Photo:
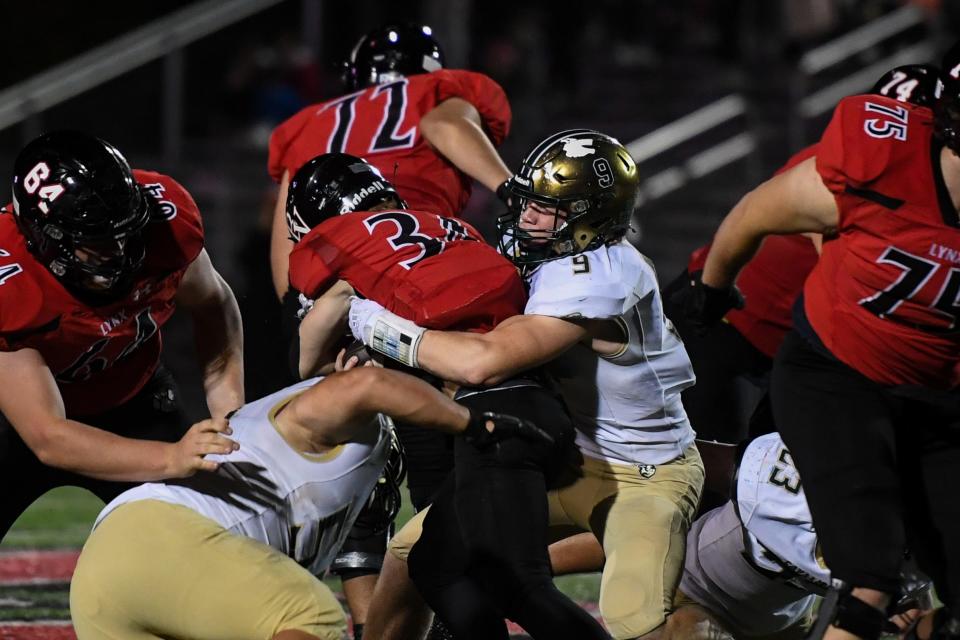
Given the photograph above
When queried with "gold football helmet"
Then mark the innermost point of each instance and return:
(588, 178)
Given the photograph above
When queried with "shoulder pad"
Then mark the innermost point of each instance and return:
(22, 294)
(282, 137)
(309, 272)
(483, 93)
(175, 234)
(866, 135)
(603, 283)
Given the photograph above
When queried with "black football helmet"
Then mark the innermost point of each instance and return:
(384, 503)
(913, 83)
(332, 184)
(390, 52)
(946, 108)
(585, 174)
(81, 211)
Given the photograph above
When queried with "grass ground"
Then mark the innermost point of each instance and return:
(62, 519)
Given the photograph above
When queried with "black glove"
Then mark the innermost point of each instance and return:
(703, 306)
(503, 191)
(504, 427)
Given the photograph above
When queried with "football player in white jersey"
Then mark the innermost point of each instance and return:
(753, 567)
(233, 553)
(595, 320)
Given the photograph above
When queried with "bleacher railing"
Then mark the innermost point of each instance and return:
(821, 65)
(736, 147)
(163, 38)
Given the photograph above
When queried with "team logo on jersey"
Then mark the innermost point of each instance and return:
(647, 470)
(577, 148)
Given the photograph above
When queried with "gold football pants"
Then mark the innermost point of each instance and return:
(157, 570)
(642, 522)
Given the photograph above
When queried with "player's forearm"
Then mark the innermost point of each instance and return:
(323, 328)
(465, 358)
(80, 448)
(465, 144)
(218, 335)
(280, 243)
(413, 401)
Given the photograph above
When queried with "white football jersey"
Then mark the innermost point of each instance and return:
(301, 504)
(773, 509)
(626, 407)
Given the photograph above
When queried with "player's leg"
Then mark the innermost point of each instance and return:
(438, 566)
(931, 482)
(693, 622)
(838, 426)
(429, 457)
(502, 510)
(578, 553)
(642, 524)
(397, 610)
(204, 582)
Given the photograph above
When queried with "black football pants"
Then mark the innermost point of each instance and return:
(153, 414)
(483, 553)
(880, 468)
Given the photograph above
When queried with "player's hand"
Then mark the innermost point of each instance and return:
(363, 316)
(209, 436)
(488, 428)
(354, 355)
(503, 191)
(703, 306)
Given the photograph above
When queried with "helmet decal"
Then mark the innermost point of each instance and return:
(577, 147)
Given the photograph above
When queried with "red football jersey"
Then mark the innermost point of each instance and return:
(101, 356)
(381, 125)
(435, 271)
(885, 296)
(771, 282)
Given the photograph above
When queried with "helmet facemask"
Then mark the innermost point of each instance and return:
(946, 109)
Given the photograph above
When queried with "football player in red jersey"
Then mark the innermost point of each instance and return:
(394, 257)
(93, 259)
(865, 387)
(355, 234)
(430, 130)
(743, 346)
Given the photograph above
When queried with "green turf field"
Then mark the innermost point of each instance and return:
(62, 519)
